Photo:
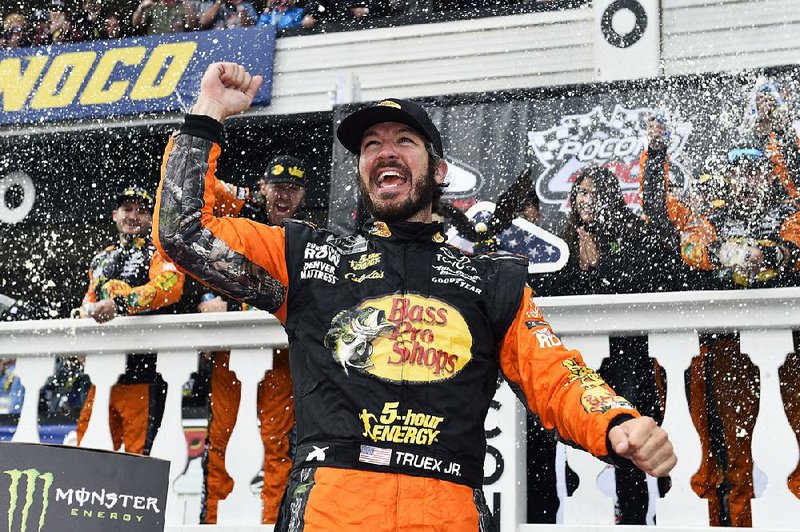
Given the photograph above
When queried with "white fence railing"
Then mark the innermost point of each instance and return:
(764, 319)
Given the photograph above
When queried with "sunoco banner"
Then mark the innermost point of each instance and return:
(124, 76)
(46, 488)
(490, 138)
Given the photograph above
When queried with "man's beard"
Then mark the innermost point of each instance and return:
(420, 197)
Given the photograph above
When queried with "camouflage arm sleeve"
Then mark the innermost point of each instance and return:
(240, 258)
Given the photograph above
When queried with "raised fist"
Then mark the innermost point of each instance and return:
(657, 133)
(226, 89)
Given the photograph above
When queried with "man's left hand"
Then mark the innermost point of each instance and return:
(645, 444)
(103, 311)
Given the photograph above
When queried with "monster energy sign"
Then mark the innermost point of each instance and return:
(47, 488)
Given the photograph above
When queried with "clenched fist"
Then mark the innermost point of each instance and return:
(226, 89)
(645, 444)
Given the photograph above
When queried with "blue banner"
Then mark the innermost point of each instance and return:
(112, 78)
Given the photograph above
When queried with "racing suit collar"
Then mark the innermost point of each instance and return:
(406, 231)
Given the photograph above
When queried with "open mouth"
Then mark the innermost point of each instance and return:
(390, 179)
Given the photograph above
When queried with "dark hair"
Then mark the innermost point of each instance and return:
(433, 165)
(612, 218)
(532, 199)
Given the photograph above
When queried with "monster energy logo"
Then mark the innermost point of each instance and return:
(31, 475)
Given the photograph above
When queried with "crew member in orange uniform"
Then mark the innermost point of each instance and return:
(280, 195)
(130, 278)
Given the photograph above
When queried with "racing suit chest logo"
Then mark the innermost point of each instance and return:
(401, 338)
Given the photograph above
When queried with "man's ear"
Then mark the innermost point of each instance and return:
(114, 215)
(441, 172)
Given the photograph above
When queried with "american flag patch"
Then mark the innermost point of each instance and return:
(375, 455)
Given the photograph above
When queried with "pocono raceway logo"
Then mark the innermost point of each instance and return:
(615, 141)
(33, 495)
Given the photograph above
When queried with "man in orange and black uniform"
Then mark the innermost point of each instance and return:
(780, 142)
(397, 339)
(743, 232)
(127, 278)
(281, 192)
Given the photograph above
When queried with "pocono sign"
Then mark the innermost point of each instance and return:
(124, 76)
(613, 139)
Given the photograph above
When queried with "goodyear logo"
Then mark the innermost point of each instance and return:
(401, 338)
(123, 76)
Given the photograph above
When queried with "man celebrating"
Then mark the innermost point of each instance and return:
(131, 277)
(396, 339)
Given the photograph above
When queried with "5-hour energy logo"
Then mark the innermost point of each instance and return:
(407, 427)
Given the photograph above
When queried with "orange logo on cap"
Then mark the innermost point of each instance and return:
(389, 103)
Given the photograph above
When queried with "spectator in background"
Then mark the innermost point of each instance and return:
(40, 28)
(280, 195)
(155, 17)
(228, 14)
(65, 392)
(284, 14)
(15, 31)
(131, 277)
(60, 23)
(612, 250)
(112, 26)
(340, 11)
(775, 135)
(12, 394)
(90, 24)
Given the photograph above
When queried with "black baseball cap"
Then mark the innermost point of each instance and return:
(137, 194)
(352, 128)
(286, 169)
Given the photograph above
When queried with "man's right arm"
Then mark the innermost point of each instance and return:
(236, 257)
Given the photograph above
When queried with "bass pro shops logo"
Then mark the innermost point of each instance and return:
(30, 494)
(409, 338)
(615, 140)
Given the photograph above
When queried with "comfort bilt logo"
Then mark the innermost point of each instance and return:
(29, 492)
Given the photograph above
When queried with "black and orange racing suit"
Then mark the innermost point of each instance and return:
(139, 280)
(783, 150)
(722, 382)
(274, 404)
(397, 341)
